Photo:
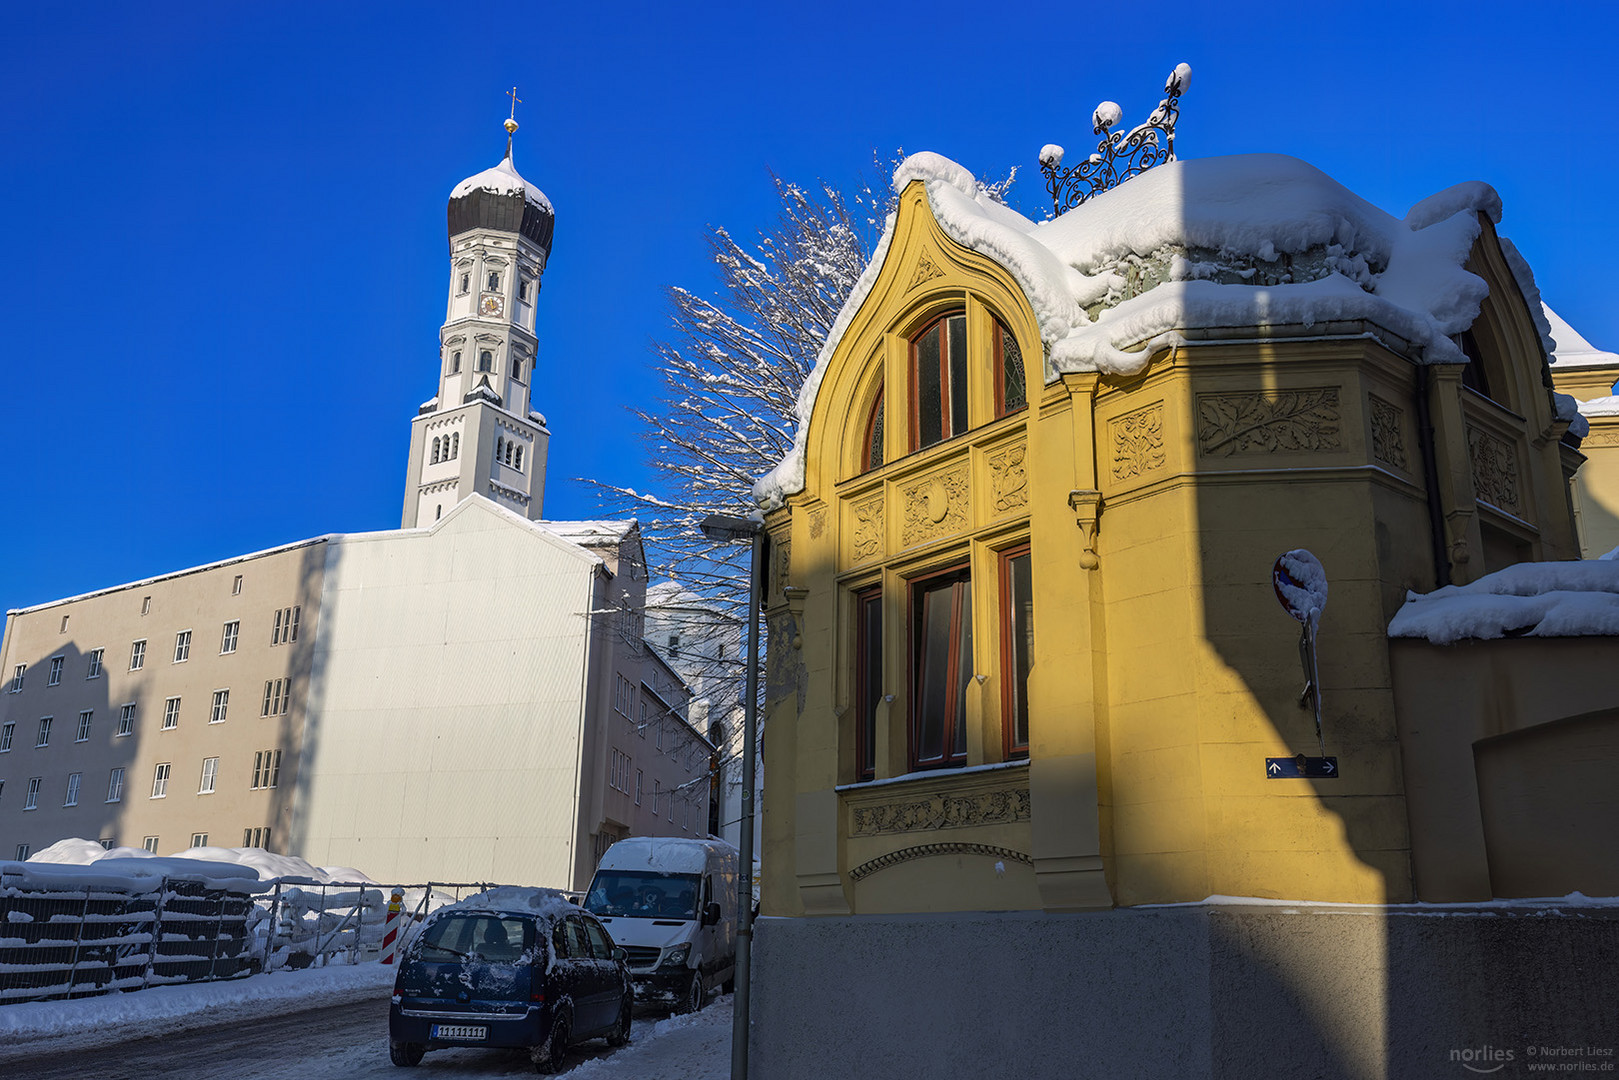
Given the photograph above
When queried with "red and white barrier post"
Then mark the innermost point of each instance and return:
(390, 928)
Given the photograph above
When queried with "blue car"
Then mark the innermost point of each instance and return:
(510, 968)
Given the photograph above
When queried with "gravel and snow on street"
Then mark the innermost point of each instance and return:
(319, 1024)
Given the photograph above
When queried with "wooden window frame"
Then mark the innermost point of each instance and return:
(1010, 691)
(867, 445)
(999, 333)
(865, 733)
(946, 394)
(954, 685)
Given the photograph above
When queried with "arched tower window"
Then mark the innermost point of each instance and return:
(500, 448)
(1011, 387)
(872, 446)
(494, 280)
(486, 360)
(519, 459)
(455, 362)
(455, 445)
(939, 381)
(435, 451)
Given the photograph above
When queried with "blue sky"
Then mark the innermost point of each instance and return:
(229, 258)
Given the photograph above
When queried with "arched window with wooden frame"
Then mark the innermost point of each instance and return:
(939, 381)
(871, 446)
(1011, 384)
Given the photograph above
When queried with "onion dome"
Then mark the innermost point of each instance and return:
(499, 198)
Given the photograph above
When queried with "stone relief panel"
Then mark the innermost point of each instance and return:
(936, 506)
(1008, 479)
(1269, 421)
(940, 811)
(781, 563)
(1138, 442)
(1495, 470)
(1388, 433)
(817, 522)
(1601, 438)
(866, 533)
(926, 270)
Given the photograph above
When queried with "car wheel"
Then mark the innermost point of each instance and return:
(620, 1035)
(548, 1059)
(406, 1054)
(692, 1000)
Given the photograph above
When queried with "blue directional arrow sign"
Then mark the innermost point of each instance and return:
(1301, 767)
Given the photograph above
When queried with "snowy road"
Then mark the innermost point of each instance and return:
(282, 1038)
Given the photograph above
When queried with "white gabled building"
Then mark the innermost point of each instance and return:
(468, 697)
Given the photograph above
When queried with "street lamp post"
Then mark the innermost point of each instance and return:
(720, 527)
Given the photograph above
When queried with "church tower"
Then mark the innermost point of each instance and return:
(479, 434)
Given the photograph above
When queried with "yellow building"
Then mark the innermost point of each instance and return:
(1588, 374)
(1027, 659)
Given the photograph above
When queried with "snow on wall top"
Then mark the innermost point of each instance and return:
(248, 863)
(1572, 350)
(503, 179)
(1602, 406)
(1225, 242)
(587, 533)
(1551, 599)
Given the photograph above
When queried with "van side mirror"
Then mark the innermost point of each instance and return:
(711, 914)
(620, 954)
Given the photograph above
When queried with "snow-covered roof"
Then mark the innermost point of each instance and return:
(1602, 406)
(1572, 350)
(1548, 599)
(590, 533)
(1225, 242)
(503, 179)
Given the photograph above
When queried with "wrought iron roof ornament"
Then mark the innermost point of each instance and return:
(1120, 155)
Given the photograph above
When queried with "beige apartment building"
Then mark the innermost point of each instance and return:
(468, 697)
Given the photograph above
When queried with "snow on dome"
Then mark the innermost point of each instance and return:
(1549, 599)
(1197, 245)
(503, 180)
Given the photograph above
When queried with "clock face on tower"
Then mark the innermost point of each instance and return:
(491, 304)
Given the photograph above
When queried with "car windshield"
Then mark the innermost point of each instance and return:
(644, 895)
(492, 938)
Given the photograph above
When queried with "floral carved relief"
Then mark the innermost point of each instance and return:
(817, 522)
(867, 533)
(926, 270)
(936, 506)
(1138, 442)
(1495, 470)
(1264, 423)
(1388, 437)
(1008, 480)
(941, 811)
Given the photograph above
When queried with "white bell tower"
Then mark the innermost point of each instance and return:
(479, 434)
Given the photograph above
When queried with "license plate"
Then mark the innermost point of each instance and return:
(459, 1031)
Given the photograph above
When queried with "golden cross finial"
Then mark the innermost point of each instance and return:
(516, 101)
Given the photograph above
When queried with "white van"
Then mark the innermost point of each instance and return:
(671, 904)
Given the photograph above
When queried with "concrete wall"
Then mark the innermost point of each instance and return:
(1185, 992)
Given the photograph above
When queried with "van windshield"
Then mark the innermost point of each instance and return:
(493, 938)
(643, 894)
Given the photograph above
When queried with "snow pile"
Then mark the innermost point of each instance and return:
(1552, 599)
(1571, 349)
(1228, 242)
(126, 873)
(517, 898)
(503, 180)
(1602, 406)
(252, 863)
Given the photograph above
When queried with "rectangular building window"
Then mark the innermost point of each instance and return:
(83, 734)
(637, 787)
(16, 678)
(658, 723)
(126, 719)
(63, 629)
(22, 852)
(55, 677)
(868, 678)
(286, 626)
(199, 839)
(115, 785)
(182, 646)
(258, 838)
(6, 734)
(95, 664)
(221, 705)
(106, 843)
(146, 605)
(160, 781)
(941, 668)
(30, 801)
(73, 781)
(227, 640)
(236, 587)
(171, 714)
(150, 844)
(266, 769)
(1017, 649)
(277, 697)
(44, 732)
(657, 792)
(210, 775)
(137, 655)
